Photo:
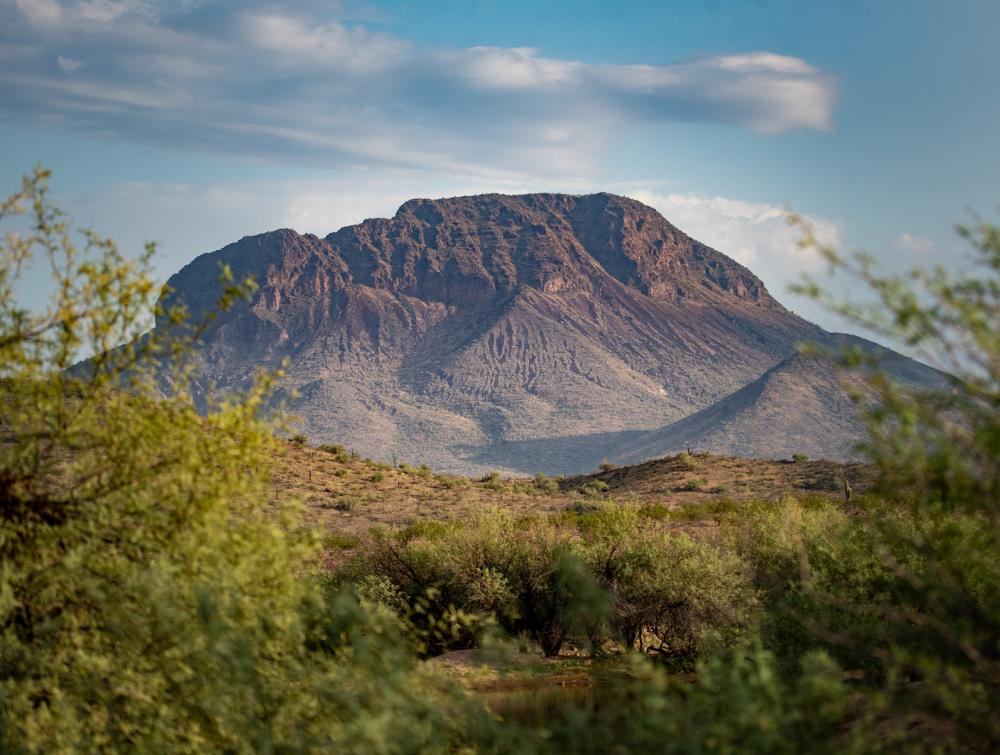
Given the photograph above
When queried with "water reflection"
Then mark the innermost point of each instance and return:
(538, 704)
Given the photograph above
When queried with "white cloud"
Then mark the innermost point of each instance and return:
(757, 235)
(41, 12)
(512, 68)
(69, 65)
(351, 48)
(261, 80)
(103, 11)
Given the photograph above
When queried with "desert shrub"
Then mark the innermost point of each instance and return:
(686, 461)
(298, 439)
(437, 580)
(799, 458)
(594, 488)
(582, 508)
(337, 451)
(668, 592)
(377, 476)
(347, 503)
(917, 615)
(422, 471)
(545, 484)
(694, 484)
(606, 573)
(607, 466)
(449, 482)
(488, 568)
(491, 481)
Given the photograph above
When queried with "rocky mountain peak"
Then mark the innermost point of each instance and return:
(531, 332)
(460, 249)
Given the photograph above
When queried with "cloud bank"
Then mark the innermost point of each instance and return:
(291, 82)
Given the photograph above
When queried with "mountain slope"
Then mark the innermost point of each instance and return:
(798, 406)
(512, 332)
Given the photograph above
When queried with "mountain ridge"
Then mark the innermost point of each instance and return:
(464, 328)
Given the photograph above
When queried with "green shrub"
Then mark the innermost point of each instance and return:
(337, 451)
(347, 503)
(686, 461)
(491, 481)
(546, 484)
(799, 458)
(606, 574)
(340, 541)
(594, 488)
(694, 484)
(377, 477)
(449, 481)
(298, 439)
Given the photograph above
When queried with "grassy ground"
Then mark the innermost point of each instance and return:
(346, 496)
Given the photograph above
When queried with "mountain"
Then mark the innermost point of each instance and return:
(521, 333)
(798, 404)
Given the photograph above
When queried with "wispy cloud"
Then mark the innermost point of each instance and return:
(68, 64)
(273, 81)
(755, 234)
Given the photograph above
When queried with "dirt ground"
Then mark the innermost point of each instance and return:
(349, 495)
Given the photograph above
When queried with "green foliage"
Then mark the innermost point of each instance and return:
(686, 461)
(545, 484)
(736, 703)
(347, 503)
(298, 439)
(337, 451)
(594, 488)
(669, 592)
(694, 484)
(607, 575)
(942, 444)
(147, 603)
(607, 466)
(340, 541)
(491, 481)
(931, 628)
(449, 482)
(377, 477)
(799, 458)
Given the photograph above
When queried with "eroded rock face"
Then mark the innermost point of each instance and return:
(523, 333)
(463, 249)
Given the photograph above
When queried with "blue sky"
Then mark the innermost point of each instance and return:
(193, 123)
